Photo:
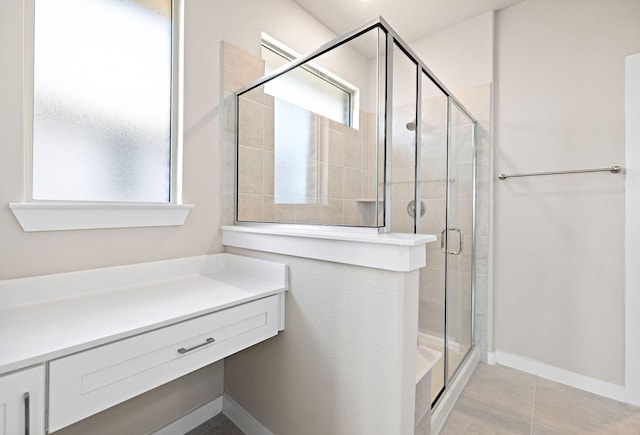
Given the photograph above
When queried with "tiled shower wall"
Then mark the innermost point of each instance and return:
(403, 164)
(239, 69)
(341, 160)
(478, 101)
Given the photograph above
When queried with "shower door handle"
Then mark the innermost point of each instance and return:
(460, 246)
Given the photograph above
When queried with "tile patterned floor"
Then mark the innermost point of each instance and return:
(500, 400)
(218, 425)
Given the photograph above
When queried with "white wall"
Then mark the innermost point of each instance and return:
(559, 241)
(632, 229)
(148, 412)
(345, 363)
(461, 56)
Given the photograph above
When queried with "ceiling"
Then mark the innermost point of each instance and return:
(412, 19)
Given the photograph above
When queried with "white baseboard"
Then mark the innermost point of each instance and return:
(586, 383)
(223, 404)
(491, 358)
(193, 419)
(241, 418)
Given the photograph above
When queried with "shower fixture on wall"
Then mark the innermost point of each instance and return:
(411, 125)
(411, 208)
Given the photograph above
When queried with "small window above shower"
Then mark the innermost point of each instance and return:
(312, 87)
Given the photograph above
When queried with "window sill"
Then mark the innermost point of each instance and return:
(58, 216)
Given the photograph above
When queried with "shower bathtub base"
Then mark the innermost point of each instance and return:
(426, 360)
(457, 353)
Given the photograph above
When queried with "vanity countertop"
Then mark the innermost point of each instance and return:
(46, 317)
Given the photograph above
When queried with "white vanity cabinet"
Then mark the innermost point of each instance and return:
(85, 341)
(22, 402)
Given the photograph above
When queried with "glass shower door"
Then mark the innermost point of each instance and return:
(431, 179)
(459, 239)
(444, 197)
(431, 195)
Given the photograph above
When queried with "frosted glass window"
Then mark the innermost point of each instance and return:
(102, 100)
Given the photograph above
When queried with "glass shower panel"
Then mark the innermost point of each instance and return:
(403, 142)
(459, 319)
(308, 144)
(431, 194)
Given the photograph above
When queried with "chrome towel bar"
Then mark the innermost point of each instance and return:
(612, 169)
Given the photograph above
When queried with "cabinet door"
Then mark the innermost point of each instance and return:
(22, 402)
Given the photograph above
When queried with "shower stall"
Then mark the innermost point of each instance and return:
(360, 135)
(432, 183)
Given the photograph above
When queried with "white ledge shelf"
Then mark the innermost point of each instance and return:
(392, 251)
(369, 200)
(59, 216)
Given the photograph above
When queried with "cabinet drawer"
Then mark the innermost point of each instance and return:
(88, 382)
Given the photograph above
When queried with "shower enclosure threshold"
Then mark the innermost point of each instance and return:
(446, 402)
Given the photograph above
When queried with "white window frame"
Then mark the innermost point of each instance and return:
(292, 197)
(38, 215)
(271, 43)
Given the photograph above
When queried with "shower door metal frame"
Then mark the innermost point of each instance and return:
(474, 125)
(392, 40)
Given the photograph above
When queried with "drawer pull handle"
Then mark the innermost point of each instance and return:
(27, 417)
(183, 350)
